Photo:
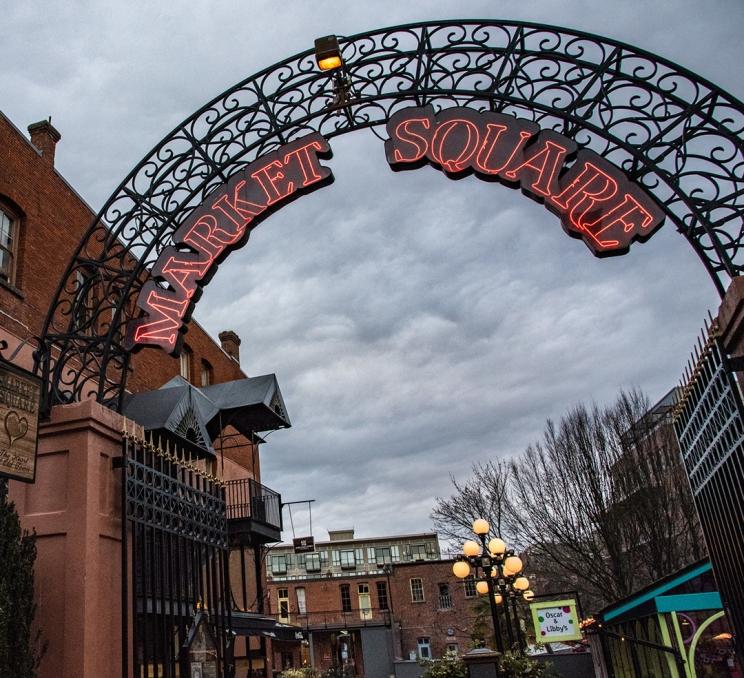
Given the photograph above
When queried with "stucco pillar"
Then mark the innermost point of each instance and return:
(74, 507)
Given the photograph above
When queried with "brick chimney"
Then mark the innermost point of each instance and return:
(231, 344)
(45, 137)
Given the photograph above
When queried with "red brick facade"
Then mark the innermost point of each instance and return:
(50, 219)
(444, 621)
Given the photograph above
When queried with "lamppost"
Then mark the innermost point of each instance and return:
(497, 573)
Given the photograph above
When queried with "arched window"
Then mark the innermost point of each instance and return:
(186, 355)
(8, 245)
(206, 373)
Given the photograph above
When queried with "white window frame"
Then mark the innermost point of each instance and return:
(420, 581)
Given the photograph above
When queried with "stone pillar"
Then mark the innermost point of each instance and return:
(74, 507)
(482, 663)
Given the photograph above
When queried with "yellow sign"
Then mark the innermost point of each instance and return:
(20, 395)
(555, 621)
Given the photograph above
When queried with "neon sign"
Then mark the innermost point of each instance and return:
(221, 224)
(594, 199)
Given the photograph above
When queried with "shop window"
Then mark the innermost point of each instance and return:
(301, 600)
(382, 595)
(312, 562)
(445, 599)
(278, 565)
(207, 373)
(185, 362)
(417, 590)
(418, 552)
(283, 598)
(384, 555)
(424, 648)
(9, 227)
(345, 598)
(365, 601)
(348, 560)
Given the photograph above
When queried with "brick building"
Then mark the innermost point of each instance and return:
(42, 219)
(366, 603)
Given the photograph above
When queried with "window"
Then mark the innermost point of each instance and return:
(345, 598)
(336, 558)
(365, 602)
(348, 561)
(453, 647)
(283, 597)
(424, 648)
(417, 590)
(185, 363)
(445, 600)
(382, 595)
(312, 562)
(301, 602)
(384, 555)
(395, 551)
(418, 552)
(207, 373)
(371, 555)
(278, 565)
(8, 246)
(359, 555)
(470, 590)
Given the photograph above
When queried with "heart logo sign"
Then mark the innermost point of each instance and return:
(16, 427)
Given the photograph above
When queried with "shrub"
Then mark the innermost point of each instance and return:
(449, 666)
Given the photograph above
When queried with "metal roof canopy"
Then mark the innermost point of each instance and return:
(194, 416)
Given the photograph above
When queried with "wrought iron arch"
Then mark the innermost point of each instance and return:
(673, 132)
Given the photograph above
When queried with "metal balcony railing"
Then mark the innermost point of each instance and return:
(334, 619)
(249, 499)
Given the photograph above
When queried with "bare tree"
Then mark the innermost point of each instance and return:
(483, 495)
(603, 496)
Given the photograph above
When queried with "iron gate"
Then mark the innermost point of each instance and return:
(709, 423)
(174, 563)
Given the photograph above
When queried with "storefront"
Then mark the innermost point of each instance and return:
(675, 628)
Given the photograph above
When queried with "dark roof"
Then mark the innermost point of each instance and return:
(251, 624)
(194, 416)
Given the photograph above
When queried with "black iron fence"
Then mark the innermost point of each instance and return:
(250, 499)
(709, 422)
(174, 562)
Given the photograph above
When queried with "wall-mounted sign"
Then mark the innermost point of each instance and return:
(20, 395)
(555, 621)
(219, 225)
(594, 199)
(304, 544)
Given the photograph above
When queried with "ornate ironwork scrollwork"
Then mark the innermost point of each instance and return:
(673, 132)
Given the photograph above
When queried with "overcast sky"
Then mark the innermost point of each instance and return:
(416, 325)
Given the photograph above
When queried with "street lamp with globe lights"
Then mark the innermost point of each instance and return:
(497, 573)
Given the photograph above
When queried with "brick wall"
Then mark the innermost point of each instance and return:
(52, 219)
(413, 620)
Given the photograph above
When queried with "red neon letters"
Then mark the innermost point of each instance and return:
(219, 225)
(594, 199)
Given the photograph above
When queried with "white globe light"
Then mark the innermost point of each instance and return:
(528, 595)
(521, 583)
(498, 598)
(481, 526)
(461, 569)
(513, 564)
(497, 546)
(471, 548)
(482, 587)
